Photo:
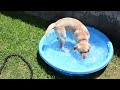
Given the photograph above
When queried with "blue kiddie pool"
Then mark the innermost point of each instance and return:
(72, 63)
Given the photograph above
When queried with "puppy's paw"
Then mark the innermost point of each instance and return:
(66, 50)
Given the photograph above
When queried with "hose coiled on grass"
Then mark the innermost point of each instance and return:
(22, 58)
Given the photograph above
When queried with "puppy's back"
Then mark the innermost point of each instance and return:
(72, 22)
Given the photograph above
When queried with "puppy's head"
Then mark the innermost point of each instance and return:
(83, 48)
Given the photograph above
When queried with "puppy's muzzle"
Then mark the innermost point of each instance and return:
(84, 54)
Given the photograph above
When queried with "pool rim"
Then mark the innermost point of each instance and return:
(83, 72)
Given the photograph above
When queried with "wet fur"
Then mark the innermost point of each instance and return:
(79, 31)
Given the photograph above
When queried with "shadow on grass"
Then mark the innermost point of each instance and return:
(117, 51)
(116, 46)
(26, 18)
(53, 73)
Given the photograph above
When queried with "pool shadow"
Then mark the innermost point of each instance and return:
(116, 45)
(53, 73)
(117, 51)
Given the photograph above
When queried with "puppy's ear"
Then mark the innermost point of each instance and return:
(75, 48)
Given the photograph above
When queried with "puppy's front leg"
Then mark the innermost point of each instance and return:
(62, 37)
(62, 43)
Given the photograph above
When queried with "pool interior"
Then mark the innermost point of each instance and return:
(73, 61)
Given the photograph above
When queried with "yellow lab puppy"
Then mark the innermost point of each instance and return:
(79, 31)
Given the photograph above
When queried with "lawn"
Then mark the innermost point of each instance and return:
(20, 34)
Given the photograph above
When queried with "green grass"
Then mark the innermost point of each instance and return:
(20, 34)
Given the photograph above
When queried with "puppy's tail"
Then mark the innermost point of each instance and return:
(50, 27)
